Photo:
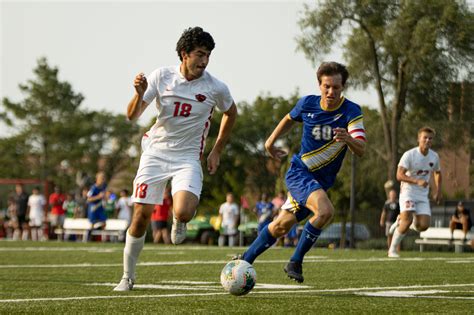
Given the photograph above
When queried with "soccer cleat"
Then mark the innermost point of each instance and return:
(178, 232)
(125, 284)
(394, 226)
(294, 270)
(393, 254)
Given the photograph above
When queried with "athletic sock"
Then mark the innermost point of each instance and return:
(133, 247)
(263, 242)
(307, 239)
(396, 240)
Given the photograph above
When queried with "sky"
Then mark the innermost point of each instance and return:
(99, 46)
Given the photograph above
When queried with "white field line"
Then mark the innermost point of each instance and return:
(223, 262)
(354, 290)
(159, 251)
(211, 286)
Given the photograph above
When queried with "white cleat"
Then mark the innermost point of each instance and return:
(394, 226)
(125, 284)
(178, 232)
(393, 254)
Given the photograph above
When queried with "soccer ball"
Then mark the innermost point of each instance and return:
(238, 277)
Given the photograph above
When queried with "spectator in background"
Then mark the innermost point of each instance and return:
(229, 216)
(460, 220)
(265, 211)
(12, 226)
(70, 206)
(389, 215)
(56, 200)
(279, 200)
(36, 214)
(95, 208)
(21, 200)
(124, 207)
(110, 204)
(81, 201)
(159, 219)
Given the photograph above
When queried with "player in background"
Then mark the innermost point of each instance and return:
(331, 124)
(389, 215)
(36, 214)
(186, 96)
(414, 172)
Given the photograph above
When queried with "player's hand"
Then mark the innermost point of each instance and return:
(422, 183)
(437, 197)
(140, 84)
(213, 161)
(275, 152)
(341, 135)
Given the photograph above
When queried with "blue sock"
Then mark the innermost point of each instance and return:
(263, 242)
(308, 238)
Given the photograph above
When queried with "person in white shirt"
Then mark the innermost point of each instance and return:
(36, 204)
(124, 206)
(229, 216)
(414, 172)
(186, 96)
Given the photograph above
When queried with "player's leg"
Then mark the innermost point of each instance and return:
(165, 234)
(134, 241)
(186, 188)
(407, 209)
(269, 234)
(323, 210)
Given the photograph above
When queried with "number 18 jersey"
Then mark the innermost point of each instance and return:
(319, 152)
(184, 111)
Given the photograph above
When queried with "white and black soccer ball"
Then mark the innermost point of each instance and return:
(238, 277)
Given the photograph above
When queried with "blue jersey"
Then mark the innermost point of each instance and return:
(319, 152)
(94, 191)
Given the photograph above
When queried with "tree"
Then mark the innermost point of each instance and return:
(409, 51)
(56, 137)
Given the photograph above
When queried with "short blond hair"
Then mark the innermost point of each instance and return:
(427, 130)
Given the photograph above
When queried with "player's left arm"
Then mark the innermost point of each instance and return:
(227, 123)
(357, 146)
(437, 182)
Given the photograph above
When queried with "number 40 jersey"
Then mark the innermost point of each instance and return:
(320, 153)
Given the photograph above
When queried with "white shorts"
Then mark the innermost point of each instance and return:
(418, 204)
(36, 221)
(154, 173)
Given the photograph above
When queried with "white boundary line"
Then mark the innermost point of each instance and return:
(354, 290)
(223, 262)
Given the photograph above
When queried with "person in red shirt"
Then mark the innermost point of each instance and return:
(159, 219)
(56, 200)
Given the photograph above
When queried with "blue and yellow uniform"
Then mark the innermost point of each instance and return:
(95, 209)
(320, 157)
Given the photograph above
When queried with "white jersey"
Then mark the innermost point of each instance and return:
(229, 212)
(418, 166)
(36, 204)
(184, 111)
(124, 204)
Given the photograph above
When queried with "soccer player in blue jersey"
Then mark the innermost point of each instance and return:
(331, 124)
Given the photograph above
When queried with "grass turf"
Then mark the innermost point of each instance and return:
(74, 278)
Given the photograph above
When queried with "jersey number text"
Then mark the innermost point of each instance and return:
(182, 109)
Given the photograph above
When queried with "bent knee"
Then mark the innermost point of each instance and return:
(325, 215)
(278, 229)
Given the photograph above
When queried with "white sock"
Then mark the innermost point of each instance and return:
(16, 235)
(133, 247)
(34, 234)
(396, 240)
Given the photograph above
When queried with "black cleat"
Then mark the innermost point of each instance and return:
(294, 270)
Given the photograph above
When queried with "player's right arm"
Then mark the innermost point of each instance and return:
(283, 127)
(137, 105)
(403, 177)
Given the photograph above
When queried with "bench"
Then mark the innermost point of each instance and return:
(442, 236)
(114, 228)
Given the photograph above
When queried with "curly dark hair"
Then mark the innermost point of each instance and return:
(194, 37)
(332, 68)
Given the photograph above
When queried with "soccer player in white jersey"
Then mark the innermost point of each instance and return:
(186, 96)
(414, 172)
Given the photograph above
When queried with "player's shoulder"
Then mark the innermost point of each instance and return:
(214, 82)
(352, 107)
(433, 153)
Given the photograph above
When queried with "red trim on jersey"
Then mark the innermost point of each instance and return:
(361, 138)
(203, 137)
(357, 130)
(145, 135)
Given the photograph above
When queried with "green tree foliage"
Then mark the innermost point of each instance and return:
(56, 137)
(409, 51)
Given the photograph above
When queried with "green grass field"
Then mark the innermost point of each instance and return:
(74, 278)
